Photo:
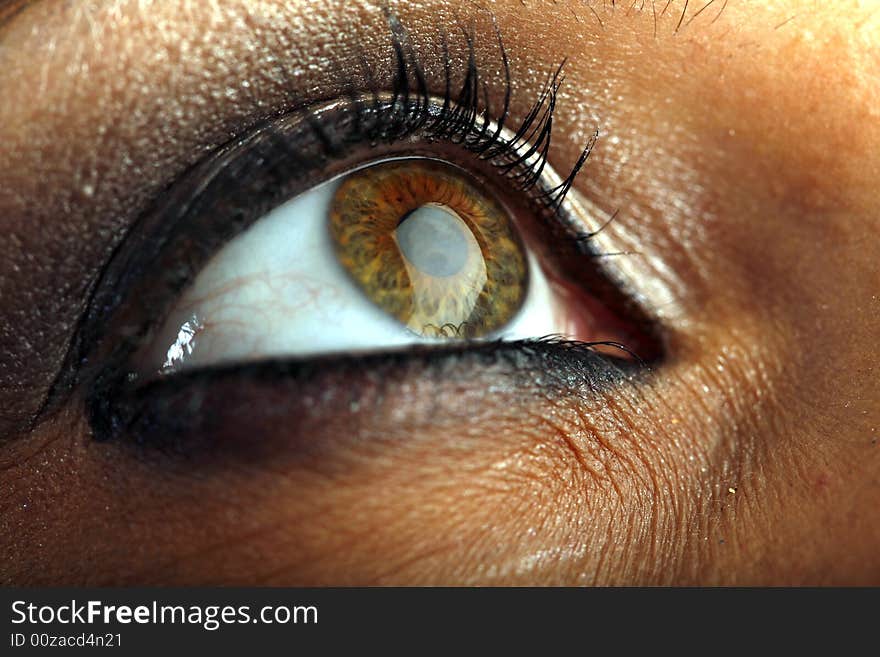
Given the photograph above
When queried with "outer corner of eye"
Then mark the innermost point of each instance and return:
(400, 252)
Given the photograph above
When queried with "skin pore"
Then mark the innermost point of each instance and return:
(739, 146)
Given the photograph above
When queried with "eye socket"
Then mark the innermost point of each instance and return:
(396, 253)
(164, 305)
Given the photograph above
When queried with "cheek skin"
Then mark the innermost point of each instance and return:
(512, 488)
(755, 182)
(420, 482)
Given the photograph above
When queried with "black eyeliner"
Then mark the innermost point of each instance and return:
(166, 412)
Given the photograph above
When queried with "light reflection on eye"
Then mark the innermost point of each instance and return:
(402, 252)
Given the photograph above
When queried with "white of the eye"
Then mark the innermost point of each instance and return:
(278, 290)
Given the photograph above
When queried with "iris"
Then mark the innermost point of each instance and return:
(430, 248)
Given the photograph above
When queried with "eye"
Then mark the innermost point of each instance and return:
(362, 226)
(396, 253)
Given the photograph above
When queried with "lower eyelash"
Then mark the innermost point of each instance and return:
(167, 413)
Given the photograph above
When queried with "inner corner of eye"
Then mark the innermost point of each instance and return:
(400, 252)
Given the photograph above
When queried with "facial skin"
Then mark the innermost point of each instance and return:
(740, 144)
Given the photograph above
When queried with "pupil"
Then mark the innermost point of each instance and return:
(432, 238)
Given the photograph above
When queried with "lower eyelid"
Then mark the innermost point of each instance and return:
(241, 408)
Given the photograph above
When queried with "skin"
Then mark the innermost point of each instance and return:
(740, 148)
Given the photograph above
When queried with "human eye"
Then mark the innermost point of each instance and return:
(391, 223)
(400, 252)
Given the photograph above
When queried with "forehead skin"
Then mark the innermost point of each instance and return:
(740, 147)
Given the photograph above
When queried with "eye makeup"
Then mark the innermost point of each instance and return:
(221, 197)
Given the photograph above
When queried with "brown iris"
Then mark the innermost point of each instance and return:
(429, 247)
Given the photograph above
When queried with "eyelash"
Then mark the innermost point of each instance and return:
(467, 119)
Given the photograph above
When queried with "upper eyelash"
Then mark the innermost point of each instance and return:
(466, 118)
